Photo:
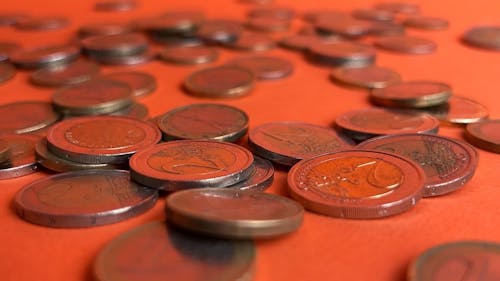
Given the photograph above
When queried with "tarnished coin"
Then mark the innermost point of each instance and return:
(268, 24)
(387, 29)
(101, 139)
(115, 45)
(26, 116)
(45, 56)
(225, 81)
(134, 59)
(373, 14)
(4, 150)
(288, 142)
(233, 213)
(104, 28)
(21, 157)
(448, 163)
(141, 83)
(180, 22)
(302, 42)
(485, 134)
(356, 184)
(427, 23)
(42, 23)
(7, 71)
(204, 121)
(343, 26)
(276, 12)
(83, 199)
(115, 5)
(94, 97)
(253, 42)
(63, 75)
(7, 48)
(412, 94)
(184, 164)
(367, 77)
(189, 54)
(459, 110)
(398, 7)
(485, 37)
(265, 67)
(342, 53)
(363, 124)
(136, 110)
(260, 179)
(406, 44)
(461, 260)
(155, 250)
(219, 30)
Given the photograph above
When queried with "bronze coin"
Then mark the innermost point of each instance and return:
(22, 156)
(219, 30)
(427, 23)
(253, 42)
(115, 5)
(268, 24)
(173, 23)
(15, 117)
(189, 54)
(101, 139)
(461, 260)
(303, 42)
(104, 28)
(398, 7)
(448, 163)
(63, 75)
(386, 29)
(204, 121)
(4, 151)
(7, 48)
(183, 164)
(344, 26)
(83, 199)
(367, 77)
(134, 59)
(260, 179)
(484, 134)
(412, 94)
(42, 23)
(406, 44)
(7, 71)
(156, 251)
(225, 81)
(356, 184)
(288, 142)
(459, 110)
(233, 213)
(373, 14)
(264, 67)
(276, 12)
(136, 110)
(366, 123)
(141, 83)
(115, 45)
(484, 37)
(342, 53)
(45, 56)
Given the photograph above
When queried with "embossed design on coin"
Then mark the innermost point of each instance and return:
(15, 120)
(21, 156)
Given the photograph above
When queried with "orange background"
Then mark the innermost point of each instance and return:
(323, 248)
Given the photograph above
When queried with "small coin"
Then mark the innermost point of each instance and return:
(260, 179)
(288, 142)
(141, 83)
(253, 42)
(42, 23)
(63, 75)
(462, 260)
(484, 37)
(459, 110)
(484, 134)
(324, 15)
(342, 53)
(398, 7)
(233, 213)
(343, 26)
(115, 45)
(448, 163)
(104, 28)
(7, 48)
(204, 121)
(373, 14)
(101, 139)
(4, 151)
(367, 77)
(45, 56)
(265, 67)
(173, 41)
(83, 199)
(387, 29)
(136, 110)
(115, 5)
(219, 30)
(7, 71)
(427, 23)
(303, 42)
(135, 59)
(173, 23)
(363, 124)
(276, 12)
(94, 97)
(178, 254)
(412, 94)
(183, 164)
(189, 54)
(22, 156)
(406, 44)
(356, 184)
(225, 81)
(268, 24)
(16, 120)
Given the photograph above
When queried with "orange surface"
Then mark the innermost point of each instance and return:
(323, 248)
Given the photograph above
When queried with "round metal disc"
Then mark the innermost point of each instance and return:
(16, 120)
(141, 83)
(485, 134)
(21, 156)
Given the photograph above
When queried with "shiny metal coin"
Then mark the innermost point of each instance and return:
(16, 120)
(189, 54)
(63, 75)
(412, 94)
(21, 160)
(45, 56)
(141, 83)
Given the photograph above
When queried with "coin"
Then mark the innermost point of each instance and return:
(260, 179)
(233, 213)
(398, 7)
(7, 48)
(155, 250)
(367, 77)
(115, 45)
(459, 110)
(136, 110)
(412, 94)
(83, 199)
(484, 37)
(253, 42)
(406, 44)
(356, 184)
(183, 164)
(141, 83)
(225, 81)
(342, 53)
(448, 163)
(104, 28)
(460, 260)
(7, 71)
(63, 75)
(45, 56)
(302, 42)
(204, 121)
(386, 29)
(189, 54)
(277, 12)
(373, 14)
(484, 134)
(42, 23)
(362, 124)
(16, 120)
(344, 26)
(268, 24)
(427, 23)
(288, 142)
(265, 67)
(101, 139)
(134, 59)
(115, 5)
(94, 97)
(219, 30)
(22, 156)
(4, 151)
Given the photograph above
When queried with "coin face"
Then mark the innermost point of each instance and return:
(368, 77)
(115, 5)
(398, 7)
(189, 54)
(15, 120)
(357, 184)
(266, 24)
(155, 250)
(141, 83)
(74, 73)
(45, 56)
(485, 134)
(265, 67)
(406, 44)
(459, 110)
(186, 164)
(260, 179)
(21, 159)
(485, 37)
(412, 94)
(277, 12)
(448, 163)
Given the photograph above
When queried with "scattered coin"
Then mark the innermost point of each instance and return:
(189, 54)
(104, 28)
(406, 44)
(253, 42)
(344, 26)
(21, 160)
(276, 12)
(7, 71)
(63, 75)
(42, 23)
(136, 110)
(342, 53)
(141, 83)
(7, 48)
(115, 45)
(4, 151)
(268, 24)
(427, 23)
(173, 23)
(367, 77)
(484, 134)
(398, 7)
(373, 14)
(45, 56)
(484, 37)
(324, 15)
(412, 94)
(134, 59)
(302, 42)
(459, 110)
(115, 5)
(15, 120)
(265, 67)
(219, 31)
(260, 179)
(386, 29)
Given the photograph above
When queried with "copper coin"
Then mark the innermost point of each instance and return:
(412, 94)
(373, 14)
(461, 260)
(459, 110)
(45, 56)
(398, 7)
(7, 48)
(386, 29)
(141, 83)
(448, 163)
(101, 139)
(7, 71)
(173, 254)
(183, 164)
(260, 179)
(134, 59)
(324, 15)
(219, 30)
(4, 150)
(225, 81)
(253, 42)
(427, 23)
(97, 96)
(342, 53)
(104, 28)
(15, 117)
(288, 142)
(233, 213)
(356, 184)
(302, 42)
(115, 45)
(366, 123)
(406, 44)
(136, 110)
(484, 37)
(42, 23)
(485, 134)
(367, 77)
(268, 24)
(63, 75)
(115, 5)
(172, 23)
(265, 67)
(276, 12)
(189, 54)
(22, 156)
(344, 26)
(83, 199)
(204, 121)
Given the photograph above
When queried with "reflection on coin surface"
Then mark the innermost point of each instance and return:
(265, 67)
(104, 28)
(485, 37)
(406, 44)
(412, 94)
(189, 54)
(344, 26)
(253, 42)
(260, 179)
(74, 73)
(45, 56)
(368, 77)
(342, 53)
(21, 156)
(141, 83)
(485, 135)
(115, 45)
(219, 30)
(15, 120)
